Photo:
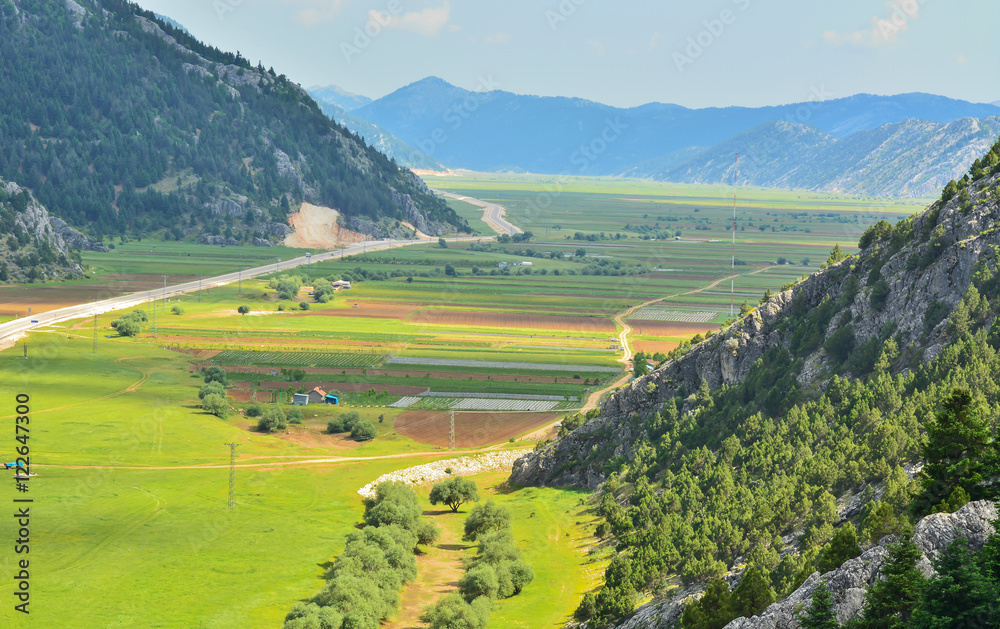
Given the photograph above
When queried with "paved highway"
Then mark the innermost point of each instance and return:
(493, 214)
(13, 330)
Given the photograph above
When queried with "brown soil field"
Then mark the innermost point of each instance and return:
(15, 300)
(652, 347)
(472, 430)
(670, 328)
(483, 319)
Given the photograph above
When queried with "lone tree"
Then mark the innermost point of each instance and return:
(961, 457)
(454, 492)
(820, 614)
(243, 309)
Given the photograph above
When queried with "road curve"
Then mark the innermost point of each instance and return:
(11, 331)
(493, 214)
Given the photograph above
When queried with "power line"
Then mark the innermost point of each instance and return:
(732, 278)
(232, 474)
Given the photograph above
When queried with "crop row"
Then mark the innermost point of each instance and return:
(495, 364)
(659, 314)
(296, 359)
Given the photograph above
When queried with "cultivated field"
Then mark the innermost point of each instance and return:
(472, 430)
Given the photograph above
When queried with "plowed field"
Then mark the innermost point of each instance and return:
(482, 319)
(472, 430)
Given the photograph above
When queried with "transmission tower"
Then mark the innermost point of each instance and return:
(232, 474)
(451, 432)
(95, 333)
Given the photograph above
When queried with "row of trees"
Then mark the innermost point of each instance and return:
(496, 572)
(351, 422)
(363, 585)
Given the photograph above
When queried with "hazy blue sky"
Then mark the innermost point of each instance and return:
(622, 52)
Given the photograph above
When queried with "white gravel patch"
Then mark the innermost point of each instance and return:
(462, 466)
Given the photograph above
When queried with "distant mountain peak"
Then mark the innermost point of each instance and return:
(336, 95)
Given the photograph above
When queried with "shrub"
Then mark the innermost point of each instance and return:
(363, 430)
(303, 305)
(216, 374)
(216, 405)
(254, 410)
(486, 518)
(177, 310)
(273, 419)
(294, 416)
(343, 423)
(453, 612)
(212, 388)
(243, 309)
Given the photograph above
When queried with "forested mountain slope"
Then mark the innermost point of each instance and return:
(123, 124)
(759, 444)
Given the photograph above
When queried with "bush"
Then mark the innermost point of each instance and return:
(212, 388)
(453, 612)
(880, 293)
(272, 420)
(216, 405)
(216, 374)
(294, 416)
(303, 305)
(243, 309)
(177, 310)
(254, 410)
(480, 580)
(344, 422)
(486, 518)
(363, 430)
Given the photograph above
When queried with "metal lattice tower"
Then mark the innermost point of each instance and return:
(95, 333)
(232, 474)
(451, 432)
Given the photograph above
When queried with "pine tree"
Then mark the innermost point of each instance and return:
(960, 455)
(889, 603)
(843, 547)
(821, 614)
(959, 595)
(753, 594)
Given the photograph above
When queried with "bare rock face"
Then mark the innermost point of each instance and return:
(35, 223)
(848, 583)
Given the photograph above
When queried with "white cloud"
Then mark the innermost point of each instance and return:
(428, 22)
(317, 11)
(885, 29)
(499, 38)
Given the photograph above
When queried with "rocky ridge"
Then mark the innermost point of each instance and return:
(37, 246)
(955, 233)
(848, 583)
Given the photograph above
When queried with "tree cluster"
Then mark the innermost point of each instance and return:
(363, 585)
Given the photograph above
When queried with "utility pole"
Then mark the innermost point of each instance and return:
(240, 293)
(199, 289)
(95, 333)
(154, 318)
(451, 433)
(277, 264)
(232, 474)
(164, 290)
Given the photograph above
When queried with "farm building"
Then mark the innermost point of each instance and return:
(332, 399)
(526, 263)
(501, 265)
(300, 399)
(317, 396)
(341, 284)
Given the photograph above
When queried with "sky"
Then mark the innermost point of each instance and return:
(623, 52)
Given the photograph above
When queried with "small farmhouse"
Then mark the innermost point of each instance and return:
(300, 399)
(317, 396)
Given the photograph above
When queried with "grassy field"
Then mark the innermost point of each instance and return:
(132, 527)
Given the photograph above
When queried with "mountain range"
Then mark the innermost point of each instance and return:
(675, 143)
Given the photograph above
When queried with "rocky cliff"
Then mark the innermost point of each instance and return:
(904, 283)
(35, 245)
